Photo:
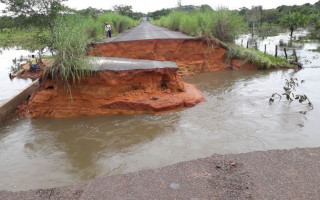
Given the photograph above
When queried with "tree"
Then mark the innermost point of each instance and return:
(127, 11)
(205, 7)
(293, 21)
(46, 10)
(254, 16)
(271, 16)
(179, 3)
(159, 13)
(123, 10)
(90, 12)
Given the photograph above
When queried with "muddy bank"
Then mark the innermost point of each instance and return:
(115, 92)
(26, 72)
(192, 56)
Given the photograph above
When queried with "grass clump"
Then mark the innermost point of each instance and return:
(255, 57)
(70, 39)
(71, 36)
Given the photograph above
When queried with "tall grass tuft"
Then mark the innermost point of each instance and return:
(71, 36)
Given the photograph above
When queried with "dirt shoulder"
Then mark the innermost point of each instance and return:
(277, 174)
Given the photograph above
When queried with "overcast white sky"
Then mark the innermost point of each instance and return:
(153, 5)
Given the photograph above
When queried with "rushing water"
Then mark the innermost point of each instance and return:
(9, 88)
(42, 153)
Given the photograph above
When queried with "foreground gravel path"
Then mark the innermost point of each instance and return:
(278, 174)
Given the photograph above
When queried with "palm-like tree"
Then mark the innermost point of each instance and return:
(293, 21)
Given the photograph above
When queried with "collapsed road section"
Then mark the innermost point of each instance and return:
(192, 55)
(118, 86)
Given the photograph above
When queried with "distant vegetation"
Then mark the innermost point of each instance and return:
(222, 24)
(261, 21)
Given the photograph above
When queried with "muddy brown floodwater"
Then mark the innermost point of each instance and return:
(43, 153)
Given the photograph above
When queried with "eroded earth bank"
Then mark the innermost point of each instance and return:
(136, 90)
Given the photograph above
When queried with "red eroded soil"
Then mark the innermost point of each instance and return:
(114, 92)
(135, 91)
(191, 55)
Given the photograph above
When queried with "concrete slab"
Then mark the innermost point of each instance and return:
(123, 64)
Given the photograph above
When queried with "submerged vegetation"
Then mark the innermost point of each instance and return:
(257, 58)
(289, 92)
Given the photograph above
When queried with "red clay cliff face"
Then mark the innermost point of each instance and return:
(191, 55)
(115, 92)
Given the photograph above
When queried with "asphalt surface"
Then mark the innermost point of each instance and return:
(146, 31)
(120, 64)
(277, 174)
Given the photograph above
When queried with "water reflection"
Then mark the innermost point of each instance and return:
(236, 117)
(9, 87)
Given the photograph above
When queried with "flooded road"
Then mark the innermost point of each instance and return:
(10, 88)
(236, 118)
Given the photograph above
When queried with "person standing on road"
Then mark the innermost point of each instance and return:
(108, 30)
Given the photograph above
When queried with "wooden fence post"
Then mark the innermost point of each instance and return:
(276, 54)
(295, 55)
(265, 49)
(285, 53)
